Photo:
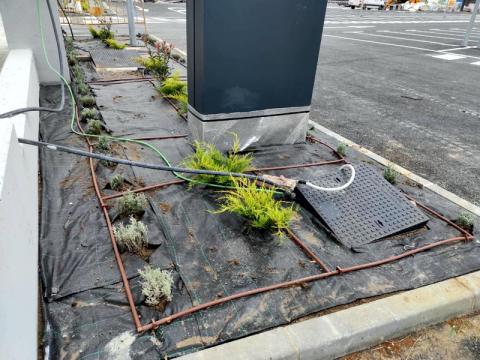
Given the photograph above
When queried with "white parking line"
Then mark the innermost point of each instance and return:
(396, 45)
(449, 56)
(179, 10)
(350, 27)
(402, 38)
(476, 63)
(396, 22)
(416, 33)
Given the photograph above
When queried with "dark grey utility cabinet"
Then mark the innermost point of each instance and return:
(252, 59)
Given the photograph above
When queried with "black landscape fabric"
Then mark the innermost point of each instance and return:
(211, 256)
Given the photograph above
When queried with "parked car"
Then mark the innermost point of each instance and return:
(367, 4)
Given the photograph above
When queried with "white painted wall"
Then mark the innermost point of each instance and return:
(19, 87)
(21, 29)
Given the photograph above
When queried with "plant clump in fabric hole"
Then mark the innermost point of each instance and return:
(103, 143)
(131, 237)
(132, 204)
(89, 113)
(157, 61)
(342, 149)
(94, 127)
(116, 182)
(176, 89)
(156, 285)
(390, 175)
(103, 34)
(208, 157)
(258, 205)
(87, 101)
(82, 88)
(114, 44)
(465, 220)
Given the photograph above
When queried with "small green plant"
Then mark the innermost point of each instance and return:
(103, 34)
(87, 101)
(176, 89)
(89, 113)
(103, 143)
(85, 5)
(78, 73)
(157, 61)
(257, 205)
(116, 182)
(114, 44)
(94, 127)
(173, 86)
(72, 60)
(390, 175)
(156, 285)
(132, 237)
(132, 204)
(465, 220)
(207, 157)
(93, 32)
(341, 149)
(82, 88)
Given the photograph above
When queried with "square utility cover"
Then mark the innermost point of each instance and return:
(370, 209)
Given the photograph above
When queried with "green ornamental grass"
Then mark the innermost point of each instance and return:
(207, 157)
(258, 205)
(114, 44)
(94, 127)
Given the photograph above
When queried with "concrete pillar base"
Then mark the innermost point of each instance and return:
(253, 131)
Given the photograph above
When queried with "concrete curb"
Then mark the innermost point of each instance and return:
(362, 326)
(356, 328)
(418, 179)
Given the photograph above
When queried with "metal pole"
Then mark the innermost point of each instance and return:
(472, 22)
(131, 22)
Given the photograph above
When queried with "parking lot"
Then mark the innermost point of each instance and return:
(396, 82)
(402, 85)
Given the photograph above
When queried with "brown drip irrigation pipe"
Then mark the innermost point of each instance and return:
(306, 249)
(467, 235)
(118, 258)
(146, 188)
(168, 319)
(315, 140)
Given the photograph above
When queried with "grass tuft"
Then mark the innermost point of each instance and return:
(103, 143)
(208, 157)
(132, 204)
(342, 149)
(116, 182)
(114, 44)
(82, 88)
(465, 220)
(260, 208)
(132, 237)
(103, 34)
(156, 285)
(89, 113)
(87, 100)
(390, 175)
(94, 127)
(176, 89)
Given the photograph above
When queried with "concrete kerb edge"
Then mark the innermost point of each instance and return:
(362, 326)
(408, 174)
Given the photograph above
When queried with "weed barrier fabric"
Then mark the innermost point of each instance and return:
(210, 256)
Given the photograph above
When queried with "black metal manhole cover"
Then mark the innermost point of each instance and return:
(370, 209)
(105, 58)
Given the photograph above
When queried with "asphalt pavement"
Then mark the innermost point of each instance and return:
(398, 83)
